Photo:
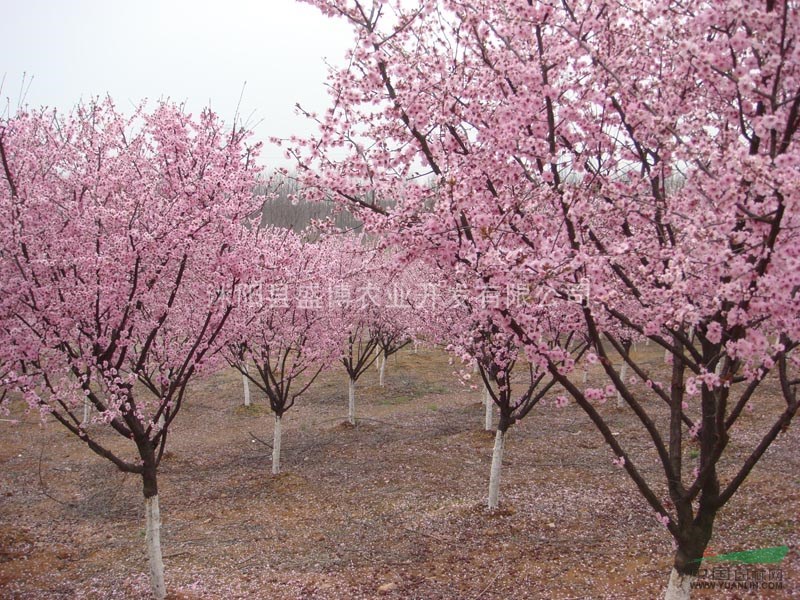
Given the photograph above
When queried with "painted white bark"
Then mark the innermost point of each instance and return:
(497, 465)
(276, 447)
(351, 402)
(161, 421)
(153, 541)
(488, 404)
(585, 373)
(87, 411)
(718, 368)
(623, 373)
(666, 356)
(246, 386)
(679, 586)
(382, 372)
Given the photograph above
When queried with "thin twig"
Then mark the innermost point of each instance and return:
(258, 439)
(44, 487)
(486, 589)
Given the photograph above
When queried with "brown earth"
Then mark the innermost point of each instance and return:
(392, 508)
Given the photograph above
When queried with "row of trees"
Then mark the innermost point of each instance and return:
(607, 173)
(133, 259)
(645, 151)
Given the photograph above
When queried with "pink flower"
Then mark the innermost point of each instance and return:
(714, 332)
(594, 394)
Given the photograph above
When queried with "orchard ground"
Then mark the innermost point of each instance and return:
(393, 508)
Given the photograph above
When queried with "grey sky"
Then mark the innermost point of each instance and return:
(200, 52)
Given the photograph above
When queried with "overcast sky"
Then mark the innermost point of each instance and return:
(198, 51)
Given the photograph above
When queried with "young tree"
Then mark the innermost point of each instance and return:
(359, 354)
(556, 131)
(476, 337)
(392, 319)
(461, 318)
(391, 339)
(236, 354)
(283, 329)
(119, 246)
(354, 301)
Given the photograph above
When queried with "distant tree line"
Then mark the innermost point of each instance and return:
(284, 206)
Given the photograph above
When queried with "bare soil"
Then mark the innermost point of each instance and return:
(392, 508)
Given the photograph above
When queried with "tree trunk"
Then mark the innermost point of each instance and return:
(153, 534)
(351, 405)
(497, 465)
(246, 385)
(488, 403)
(382, 371)
(276, 446)
(87, 411)
(679, 586)
(623, 372)
(689, 555)
(718, 368)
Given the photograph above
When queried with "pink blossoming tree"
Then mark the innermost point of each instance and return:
(354, 299)
(645, 150)
(283, 336)
(119, 247)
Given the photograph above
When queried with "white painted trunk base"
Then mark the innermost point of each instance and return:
(276, 446)
(153, 541)
(87, 411)
(488, 404)
(679, 586)
(497, 465)
(246, 386)
(623, 373)
(351, 402)
(382, 372)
